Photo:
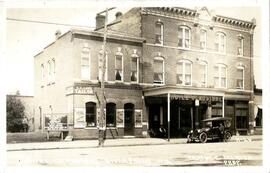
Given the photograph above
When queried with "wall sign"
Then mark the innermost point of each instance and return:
(79, 118)
(79, 90)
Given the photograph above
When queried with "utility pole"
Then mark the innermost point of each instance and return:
(102, 118)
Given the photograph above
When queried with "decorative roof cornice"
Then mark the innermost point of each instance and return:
(193, 15)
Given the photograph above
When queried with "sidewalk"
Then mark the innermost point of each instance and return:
(112, 143)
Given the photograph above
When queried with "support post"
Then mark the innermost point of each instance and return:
(197, 104)
(223, 106)
(168, 114)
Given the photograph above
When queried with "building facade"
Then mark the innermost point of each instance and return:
(169, 67)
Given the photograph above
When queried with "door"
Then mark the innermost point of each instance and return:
(129, 119)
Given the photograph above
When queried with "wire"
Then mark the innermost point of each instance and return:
(49, 23)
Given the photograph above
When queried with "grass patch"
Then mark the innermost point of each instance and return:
(31, 137)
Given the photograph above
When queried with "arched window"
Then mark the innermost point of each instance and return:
(184, 37)
(220, 79)
(119, 65)
(240, 48)
(240, 77)
(184, 72)
(159, 33)
(220, 42)
(203, 39)
(110, 114)
(203, 73)
(134, 77)
(85, 62)
(159, 70)
(90, 110)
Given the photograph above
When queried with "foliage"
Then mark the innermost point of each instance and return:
(16, 120)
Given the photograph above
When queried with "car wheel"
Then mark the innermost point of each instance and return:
(188, 139)
(203, 137)
(227, 136)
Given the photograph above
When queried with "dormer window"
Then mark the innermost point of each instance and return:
(183, 37)
(240, 47)
(159, 33)
(220, 42)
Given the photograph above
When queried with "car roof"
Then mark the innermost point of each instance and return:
(218, 119)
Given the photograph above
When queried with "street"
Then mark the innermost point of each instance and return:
(248, 153)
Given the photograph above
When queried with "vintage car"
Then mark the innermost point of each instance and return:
(213, 130)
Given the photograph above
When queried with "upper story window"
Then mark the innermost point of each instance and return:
(240, 78)
(159, 70)
(49, 73)
(119, 65)
(240, 47)
(85, 63)
(203, 39)
(184, 72)
(220, 76)
(220, 42)
(90, 110)
(203, 74)
(42, 75)
(184, 37)
(100, 64)
(159, 33)
(53, 71)
(134, 77)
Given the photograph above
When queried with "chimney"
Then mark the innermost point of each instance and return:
(118, 14)
(100, 21)
(57, 34)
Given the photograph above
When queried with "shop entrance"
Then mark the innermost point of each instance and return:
(129, 119)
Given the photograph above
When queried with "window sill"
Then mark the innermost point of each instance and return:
(240, 56)
(91, 128)
(184, 85)
(184, 48)
(158, 84)
(158, 44)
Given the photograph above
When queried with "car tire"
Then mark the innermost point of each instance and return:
(227, 136)
(203, 137)
(188, 139)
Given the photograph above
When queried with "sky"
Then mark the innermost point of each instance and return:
(25, 39)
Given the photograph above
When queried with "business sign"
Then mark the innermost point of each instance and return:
(79, 118)
(79, 90)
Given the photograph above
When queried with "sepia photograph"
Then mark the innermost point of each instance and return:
(102, 84)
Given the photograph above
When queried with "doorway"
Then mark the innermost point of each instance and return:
(129, 119)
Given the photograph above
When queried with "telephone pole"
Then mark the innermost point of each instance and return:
(102, 118)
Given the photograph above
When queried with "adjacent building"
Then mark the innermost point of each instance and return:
(165, 66)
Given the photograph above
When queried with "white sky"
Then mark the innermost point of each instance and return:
(24, 40)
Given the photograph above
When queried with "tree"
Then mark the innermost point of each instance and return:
(16, 120)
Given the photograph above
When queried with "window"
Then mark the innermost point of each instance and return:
(85, 63)
(241, 118)
(203, 74)
(53, 71)
(220, 44)
(240, 48)
(100, 63)
(119, 65)
(216, 110)
(183, 37)
(42, 75)
(134, 67)
(110, 115)
(90, 109)
(159, 70)
(220, 80)
(203, 39)
(240, 78)
(49, 73)
(184, 73)
(159, 33)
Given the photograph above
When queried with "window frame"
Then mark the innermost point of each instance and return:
(53, 71)
(218, 35)
(134, 55)
(184, 62)
(95, 114)
(204, 63)
(161, 25)
(241, 46)
(83, 53)
(243, 78)
(119, 53)
(159, 58)
(205, 39)
(49, 73)
(220, 77)
(183, 28)
(42, 75)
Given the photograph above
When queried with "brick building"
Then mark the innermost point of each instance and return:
(159, 62)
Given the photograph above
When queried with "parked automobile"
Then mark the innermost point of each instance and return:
(215, 129)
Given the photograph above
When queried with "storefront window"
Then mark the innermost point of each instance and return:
(110, 115)
(241, 118)
(90, 114)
